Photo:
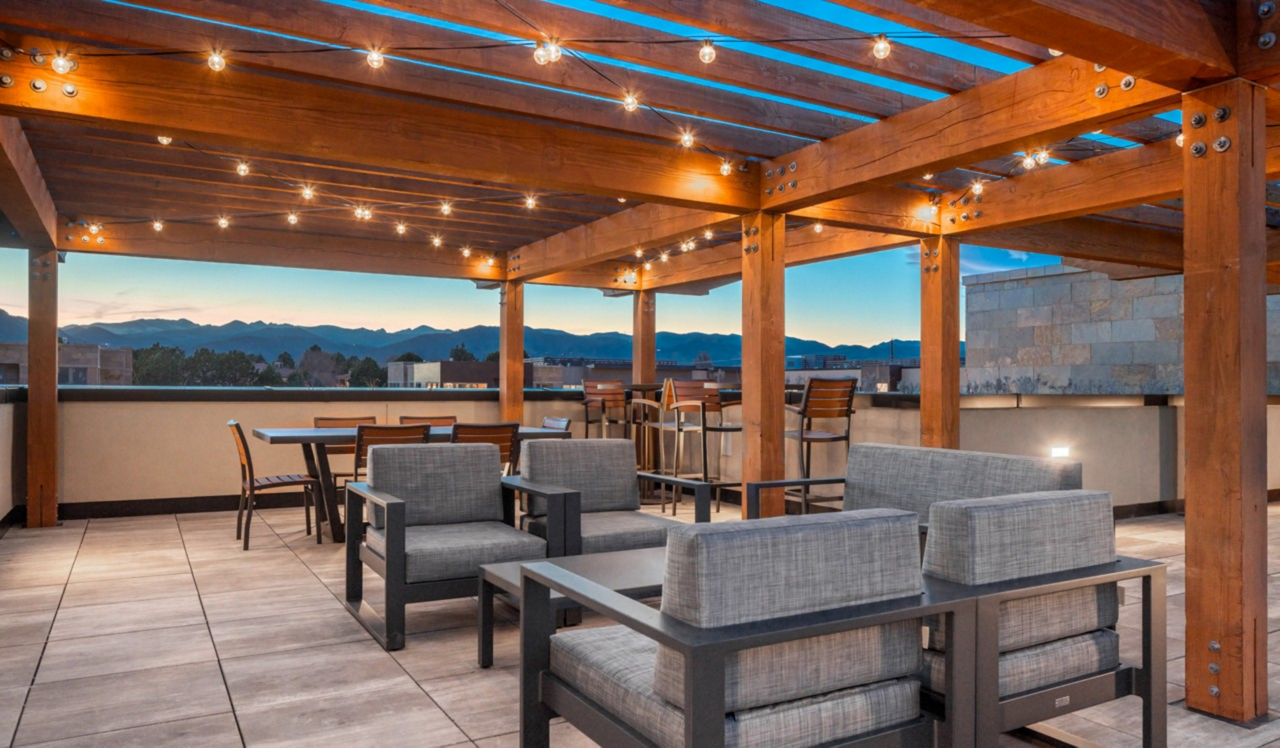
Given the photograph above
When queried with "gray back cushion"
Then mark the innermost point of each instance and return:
(441, 484)
(913, 478)
(603, 471)
(738, 572)
(983, 541)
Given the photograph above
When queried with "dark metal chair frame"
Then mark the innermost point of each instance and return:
(704, 401)
(806, 436)
(973, 712)
(389, 631)
(544, 696)
(753, 489)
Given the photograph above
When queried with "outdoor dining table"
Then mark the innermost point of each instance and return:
(315, 443)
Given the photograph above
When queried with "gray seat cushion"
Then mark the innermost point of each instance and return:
(739, 572)
(440, 484)
(602, 471)
(439, 552)
(914, 478)
(614, 667)
(1042, 665)
(603, 532)
(1044, 618)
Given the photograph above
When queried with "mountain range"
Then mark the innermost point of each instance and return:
(271, 339)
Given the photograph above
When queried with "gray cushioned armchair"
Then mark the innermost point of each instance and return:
(1042, 655)
(792, 631)
(603, 474)
(434, 514)
(913, 478)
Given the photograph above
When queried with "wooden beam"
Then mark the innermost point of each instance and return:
(896, 210)
(763, 356)
(24, 198)
(933, 22)
(241, 107)
(246, 246)
(644, 341)
(511, 352)
(641, 227)
(1171, 42)
(940, 343)
(1091, 239)
(1022, 111)
(1226, 405)
(42, 387)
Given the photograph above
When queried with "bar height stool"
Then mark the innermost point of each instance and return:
(610, 398)
(825, 399)
(685, 398)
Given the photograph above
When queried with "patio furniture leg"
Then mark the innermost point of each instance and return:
(1151, 679)
(808, 470)
(248, 516)
(240, 514)
(537, 625)
(484, 629)
(329, 493)
(306, 507)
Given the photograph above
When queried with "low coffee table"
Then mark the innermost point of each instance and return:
(635, 574)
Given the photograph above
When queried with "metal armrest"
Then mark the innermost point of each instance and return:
(364, 493)
(793, 409)
(701, 492)
(564, 513)
(753, 490)
(1124, 567)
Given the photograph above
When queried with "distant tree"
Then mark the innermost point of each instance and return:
(367, 373)
(158, 366)
(269, 377)
(409, 356)
(201, 368)
(343, 363)
(296, 380)
(315, 347)
(318, 369)
(235, 369)
(286, 360)
(495, 356)
(460, 353)
(258, 358)
(702, 358)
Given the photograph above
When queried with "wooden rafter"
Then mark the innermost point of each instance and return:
(24, 198)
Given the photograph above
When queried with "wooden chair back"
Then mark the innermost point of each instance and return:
(688, 395)
(606, 394)
(502, 434)
(342, 422)
(559, 424)
(438, 421)
(828, 398)
(242, 446)
(368, 435)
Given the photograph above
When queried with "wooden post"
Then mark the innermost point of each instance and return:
(940, 343)
(644, 344)
(42, 389)
(1226, 400)
(511, 352)
(763, 356)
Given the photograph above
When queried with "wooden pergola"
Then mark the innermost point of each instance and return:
(134, 151)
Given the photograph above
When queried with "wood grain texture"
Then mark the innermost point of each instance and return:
(511, 352)
(644, 341)
(1226, 396)
(42, 388)
(940, 343)
(764, 355)
(1023, 111)
(24, 198)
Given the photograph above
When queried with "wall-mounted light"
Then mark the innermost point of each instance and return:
(1059, 451)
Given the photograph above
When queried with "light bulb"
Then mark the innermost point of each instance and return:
(881, 48)
(531, 202)
(639, 253)
(1042, 157)
(62, 64)
(977, 188)
(157, 225)
(817, 228)
(726, 168)
(707, 53)
(630, 102)
(95, 228)
(622, 199)
(686, 139)
(553, 50)
(217, 62)
(223, 222)
(663, 257)
(293, 219)
(1055, 53)
(445, 209)
(242, 168)
(164, 139)
(1180, 139)
(436, 241)
(648, 266)
(308, 192)
(1028, 162)
(540, 55)
(933, 209)
(401, 228)
(466, 251)
(368, 213)
(490, 261)
(375, 59)
(928, 176)
(708, 234)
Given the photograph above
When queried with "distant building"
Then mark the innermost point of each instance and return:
(447, 374)
(571, 371)
(77, 364)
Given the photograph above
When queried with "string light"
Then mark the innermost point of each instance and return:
(726, 167)
(1180, 139)
(62, 64)
(308, 192)
(401, 228)
(445, 209)
(1055, 53)
(881, 49)
(1028, 162)
(95, 228)
(630, 102)
(622, 199)
(490, 262)
(466, 251)
(375, 59)
(548, 51)
(364, 213)
(817, 228)
(436, 241)
(164, 139)
(217, 63)
(977, 187)
(530, 202)
(648, 266)
(639, 252)
(158, 225)
(686, 138)
(928, 176)
(663, 257)
(707, 53)
(293, 219)
(1042, 157)
(708, 234)
(223, 222)
(242, 168)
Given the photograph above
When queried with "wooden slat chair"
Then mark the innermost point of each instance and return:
(435, 421)
(607, 397)
(251, 484)
(687, 399)
(342, 422)
(504, 435)
(824, 399)
(371, 436)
